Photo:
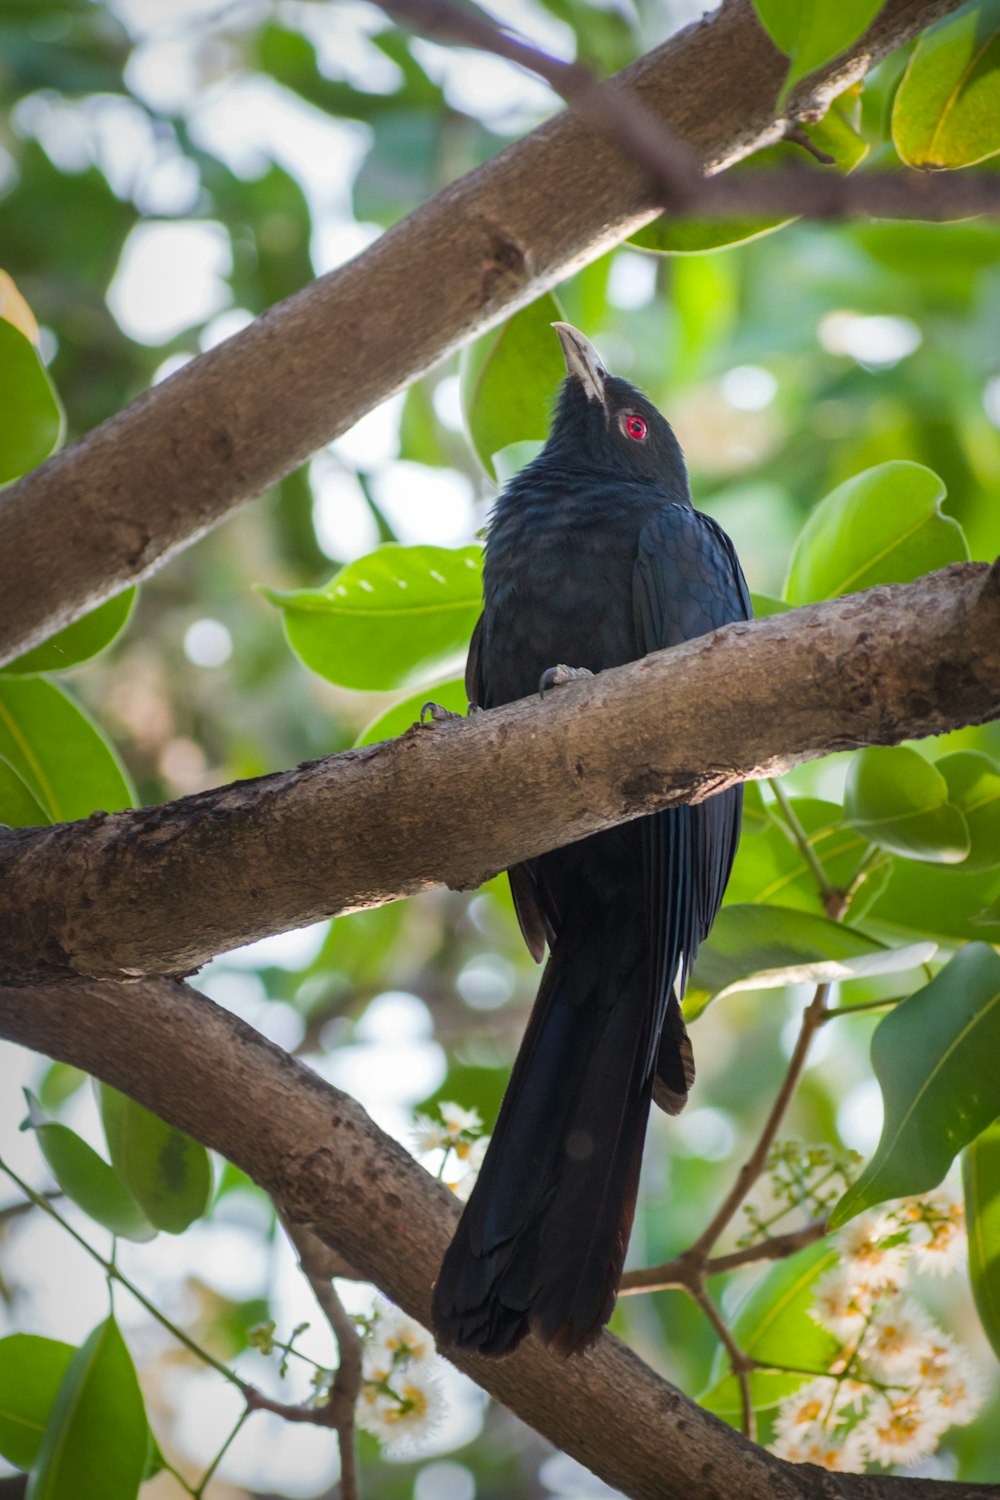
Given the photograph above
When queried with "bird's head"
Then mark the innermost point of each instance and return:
(604, 422)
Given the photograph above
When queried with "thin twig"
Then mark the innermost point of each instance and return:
(319, 1266)
(742, 1363)
(812, 1019)
(674, 170)
(683, 1273)
(832, 899)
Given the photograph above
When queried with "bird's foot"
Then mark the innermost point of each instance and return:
(434, 713)
(558, 676)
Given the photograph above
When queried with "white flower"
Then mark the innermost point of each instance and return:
(805, 1410)
(946, 1369)
(901, 1427)
(429, 1135)
(898, 1336)
(873, 1265)
(399, 1336)
(472, 1155)
(840, 1304)
(458, 1119)
(403, 1420)
(938, 1232)
(839, 1451)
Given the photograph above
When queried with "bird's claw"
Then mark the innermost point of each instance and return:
(558, 676)
(437, 714)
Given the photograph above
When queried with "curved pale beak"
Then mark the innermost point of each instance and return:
(583, 361)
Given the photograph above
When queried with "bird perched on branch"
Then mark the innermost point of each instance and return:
(594, 557)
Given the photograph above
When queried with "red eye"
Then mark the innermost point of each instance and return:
(636, 428)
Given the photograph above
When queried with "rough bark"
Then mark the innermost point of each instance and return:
(182, 457)
(329, 1167)
(163, 888)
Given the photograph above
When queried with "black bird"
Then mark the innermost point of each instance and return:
(594, 557)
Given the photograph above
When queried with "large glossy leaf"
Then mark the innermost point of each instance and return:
(169, 1174)
(96, 1441)
(79, 641)
(773, 1323)
(509, 380)
(812, 32)
(935, 1057)
(19, 807)
(938, 901)
(58, 752)
(947, 108)
(899, 801)
(771, 867)
(31, 418)
(86, 1177)
(389, 620)
(981, 1181)
(973, 781)
(669, 235)
(31, 1372)
(399, 718)
(762, 947)
(883, 526)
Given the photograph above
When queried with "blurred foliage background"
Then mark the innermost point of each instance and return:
(168, 171)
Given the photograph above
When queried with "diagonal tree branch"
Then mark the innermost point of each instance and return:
(179, 460)
(329, 1168)
(674, 171)
(164, 888)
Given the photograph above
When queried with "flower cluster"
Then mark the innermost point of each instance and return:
(810, 1178)
(400, 1401)
(460, 1143)
(897, 1381)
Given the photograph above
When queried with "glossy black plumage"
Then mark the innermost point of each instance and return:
(594, 557)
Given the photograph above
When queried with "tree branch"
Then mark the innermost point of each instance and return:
(329, 1167)
(151, 480)
(164, 888)
(674, 171)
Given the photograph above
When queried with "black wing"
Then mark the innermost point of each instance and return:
(687, 582)
(535, 926)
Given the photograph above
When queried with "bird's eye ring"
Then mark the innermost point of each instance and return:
(635, 428)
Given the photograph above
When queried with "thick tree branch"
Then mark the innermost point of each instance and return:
(164, 888)
(181, 458)
(675, 173)
(329, 1168)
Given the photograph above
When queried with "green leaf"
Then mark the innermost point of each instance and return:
(981, 1181)
(774, 1323)
(973, 781)
(86, 1177)
(764, 947)
(31, 419)
(58, 752)
(509, 379)
(812, 32)
(947, 108)
(764, 605)
(19, 807)
(401, 716)
(669, 235)
(31, 1372)
(883, 526)
(169, 1174)
(79, 641)
(96, 1441)
(755, 814)
(899, 801)
(771, 867)
(935, 1059)
(938, 901)
(390, 620)
(510, 460)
